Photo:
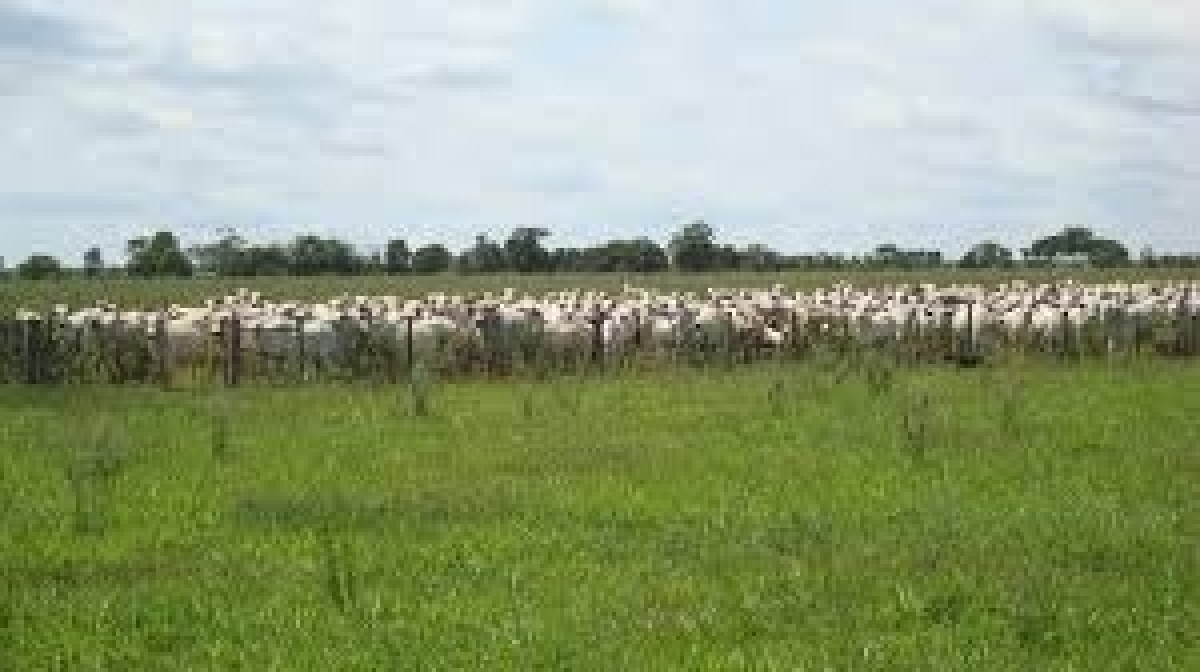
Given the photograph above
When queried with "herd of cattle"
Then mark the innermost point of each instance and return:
(249, 333)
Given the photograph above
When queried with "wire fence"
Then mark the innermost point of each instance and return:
(46, 351)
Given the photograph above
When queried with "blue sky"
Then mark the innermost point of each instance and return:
(807, 125)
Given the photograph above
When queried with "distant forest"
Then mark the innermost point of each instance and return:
(692, 249)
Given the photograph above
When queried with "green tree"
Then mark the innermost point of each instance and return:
(159, 254)
(566, 259)
(693, 249)
(430, 259)
(40, 267)
(93, 262)
(313, 255)
(1080, 242)
(759, 257)
(641, 255)
(485, 256)
(233, 257)
(1104, 253)
(226, 257)
(397, 257)
(524, 251)
(264, 260)
(988, 254)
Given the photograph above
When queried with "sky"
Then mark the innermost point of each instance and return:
(808, 125)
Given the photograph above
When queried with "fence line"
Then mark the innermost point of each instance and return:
(39, 351)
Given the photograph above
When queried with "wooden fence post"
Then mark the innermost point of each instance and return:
(14, 350)
(163, 347)
(258, 359)
(598, 340)
(5, 350)
(1137, 334)
(970, 329)
(729, 341)
(493, 347)
(298, 318)
(794, 335)
(1194, 334)
(232, 328)
(949, 347)
(1066, 336)
(408, 344)
(392, 352)
(374, 364)
(30, 351)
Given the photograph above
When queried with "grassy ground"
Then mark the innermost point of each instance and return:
(759, 519)
(157, 293)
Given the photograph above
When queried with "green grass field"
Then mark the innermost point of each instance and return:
(791, 518)
(158, 293)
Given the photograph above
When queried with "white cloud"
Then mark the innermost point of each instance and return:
(831, 126)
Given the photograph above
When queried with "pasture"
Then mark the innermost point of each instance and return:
(793, 515)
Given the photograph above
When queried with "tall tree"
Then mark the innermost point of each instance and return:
(693, 248)
(159, 254)
(485, 256)
(93, 262)
(397, 257)
(524, 251)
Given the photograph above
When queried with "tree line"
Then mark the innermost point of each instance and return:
(692, 249)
